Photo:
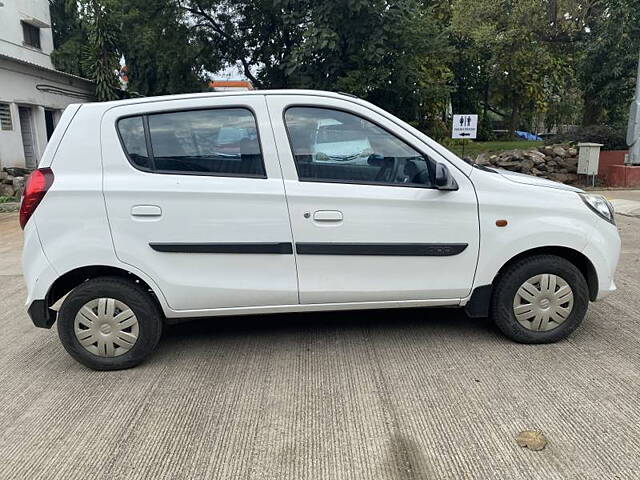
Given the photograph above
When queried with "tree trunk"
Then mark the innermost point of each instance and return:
(514, 120)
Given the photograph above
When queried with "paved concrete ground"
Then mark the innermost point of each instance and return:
(417, 394)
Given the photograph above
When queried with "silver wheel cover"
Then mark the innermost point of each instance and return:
(106, 327)
(543, 302)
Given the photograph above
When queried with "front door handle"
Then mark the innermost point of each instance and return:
(146, 211)
(328, 216)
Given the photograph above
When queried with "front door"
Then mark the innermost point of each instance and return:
(195, 200)
(28, 143)
(368, 223)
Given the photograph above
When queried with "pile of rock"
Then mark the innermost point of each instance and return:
(555, 162)
(12, 181)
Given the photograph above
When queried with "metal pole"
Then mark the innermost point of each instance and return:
(633, 132)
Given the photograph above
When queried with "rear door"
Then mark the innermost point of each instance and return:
(368, 223)
(195, 200)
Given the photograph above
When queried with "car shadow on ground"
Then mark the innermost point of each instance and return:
(377, 321)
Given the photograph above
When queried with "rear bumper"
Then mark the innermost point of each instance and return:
(38, 277)
(41, 315)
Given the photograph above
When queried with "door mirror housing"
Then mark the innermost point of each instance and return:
(443, 178)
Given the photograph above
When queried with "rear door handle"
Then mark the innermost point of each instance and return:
(328, 216)
(146, 211)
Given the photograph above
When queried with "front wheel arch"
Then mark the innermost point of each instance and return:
(577, 258)
(478, 305)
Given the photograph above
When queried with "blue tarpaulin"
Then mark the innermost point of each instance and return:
(527, 135)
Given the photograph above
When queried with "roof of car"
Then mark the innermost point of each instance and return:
(167, 98)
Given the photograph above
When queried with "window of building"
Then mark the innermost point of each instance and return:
(49, 123)
(336, 146)
(207, 142)
(5, 117)
(31, 35)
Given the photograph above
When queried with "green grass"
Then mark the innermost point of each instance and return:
(4, 199)
(473, 149)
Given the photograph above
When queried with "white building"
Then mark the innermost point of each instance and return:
(32, 93)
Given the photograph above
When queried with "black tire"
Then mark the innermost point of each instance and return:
(148, 314)
(515, 275)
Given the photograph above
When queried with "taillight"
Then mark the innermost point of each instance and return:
(37, 185)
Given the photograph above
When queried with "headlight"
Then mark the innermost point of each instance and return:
(600, 205)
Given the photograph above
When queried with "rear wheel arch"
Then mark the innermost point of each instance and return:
(73, 278)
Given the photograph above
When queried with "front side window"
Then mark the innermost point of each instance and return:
(336, 146)
(31, 35)
(216, 142)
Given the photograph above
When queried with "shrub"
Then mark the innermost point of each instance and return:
(612, 139)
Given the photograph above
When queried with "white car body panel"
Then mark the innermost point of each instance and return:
(85, 220)
(201, 209)
(377, 214)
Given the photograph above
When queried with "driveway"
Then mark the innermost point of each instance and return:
(415, 394)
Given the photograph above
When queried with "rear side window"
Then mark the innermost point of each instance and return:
(132, 133)
(220, 142)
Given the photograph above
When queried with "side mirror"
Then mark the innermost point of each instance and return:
(444, 180)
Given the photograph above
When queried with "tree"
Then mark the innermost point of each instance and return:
(161, 54)
(69, 36)
(100, 57)
(520, 45)
(608, 62)
(389, 52)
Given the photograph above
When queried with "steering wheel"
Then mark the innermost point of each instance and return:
(389, 170)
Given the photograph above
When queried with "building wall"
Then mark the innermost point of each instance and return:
(34, 12)
(36, 89)
(28, 80)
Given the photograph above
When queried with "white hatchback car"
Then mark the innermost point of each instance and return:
(157, 210)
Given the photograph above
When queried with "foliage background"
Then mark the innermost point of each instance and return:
(534, 65)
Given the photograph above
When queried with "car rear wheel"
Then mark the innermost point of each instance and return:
(540, 299)
(109, 323)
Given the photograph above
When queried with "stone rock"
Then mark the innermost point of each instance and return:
(3, 175)
(17, 171)
(483, 159)
(572, 152)
(8, 179)
(564, 177)
(6, 190)
(532, 440)
(526, 165)
(508, 163)
(547, 150)
(559, 151)
(18, 185)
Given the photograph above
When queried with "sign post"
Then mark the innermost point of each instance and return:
(465, 127)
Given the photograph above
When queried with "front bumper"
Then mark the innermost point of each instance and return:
(603, 250)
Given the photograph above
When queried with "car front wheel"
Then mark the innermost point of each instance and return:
(540, 299)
